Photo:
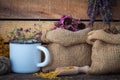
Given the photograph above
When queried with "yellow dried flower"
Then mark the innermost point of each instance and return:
(49, 75)
(4, 54)
(4, 49)
(68, 68)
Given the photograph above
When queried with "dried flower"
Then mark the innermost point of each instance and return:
(21, 35)
(50, 75)
(113, 30)
(99, 7)
(69, 23)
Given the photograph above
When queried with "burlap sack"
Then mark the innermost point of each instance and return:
(105, 52)
(4, 65)
(67, 49)
(103, 36)
(65, 37)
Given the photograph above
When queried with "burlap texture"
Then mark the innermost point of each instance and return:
(62, 56)
(4, 65)
(65, 37)
(105, 52)
(103, 36)
(67, 48)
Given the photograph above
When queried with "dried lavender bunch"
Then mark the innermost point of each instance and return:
(99, 7)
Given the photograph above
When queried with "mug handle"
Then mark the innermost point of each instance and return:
(47, 56)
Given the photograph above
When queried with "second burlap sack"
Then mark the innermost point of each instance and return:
(105, 52)
(67, 48)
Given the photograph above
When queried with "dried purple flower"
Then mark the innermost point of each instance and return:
(102, 7)
(66, 20)
(27, 30)
(57, 25)
(69, 23)
(71, 28)
(19, 29)
(20, 35)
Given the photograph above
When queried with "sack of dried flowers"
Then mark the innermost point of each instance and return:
(65, 37)
(67, 48)
(105, 52)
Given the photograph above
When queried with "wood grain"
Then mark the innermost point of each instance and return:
(48, 9)
(7, 26)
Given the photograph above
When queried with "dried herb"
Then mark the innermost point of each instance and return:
(50, 75)
(99, 7)
(69, 23)
(29, 35)
(113, 30)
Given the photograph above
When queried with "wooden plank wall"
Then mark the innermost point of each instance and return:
(49, 9)
(46, 9)
(7, 26)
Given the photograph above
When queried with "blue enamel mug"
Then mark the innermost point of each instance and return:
(26, 58)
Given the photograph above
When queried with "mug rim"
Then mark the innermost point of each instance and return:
(23, 42)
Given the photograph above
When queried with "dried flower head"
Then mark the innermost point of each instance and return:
(69, 23)
(26, 35)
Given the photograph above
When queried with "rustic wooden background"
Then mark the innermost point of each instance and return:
(49, 9)
(46, 9)
(7, 26)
